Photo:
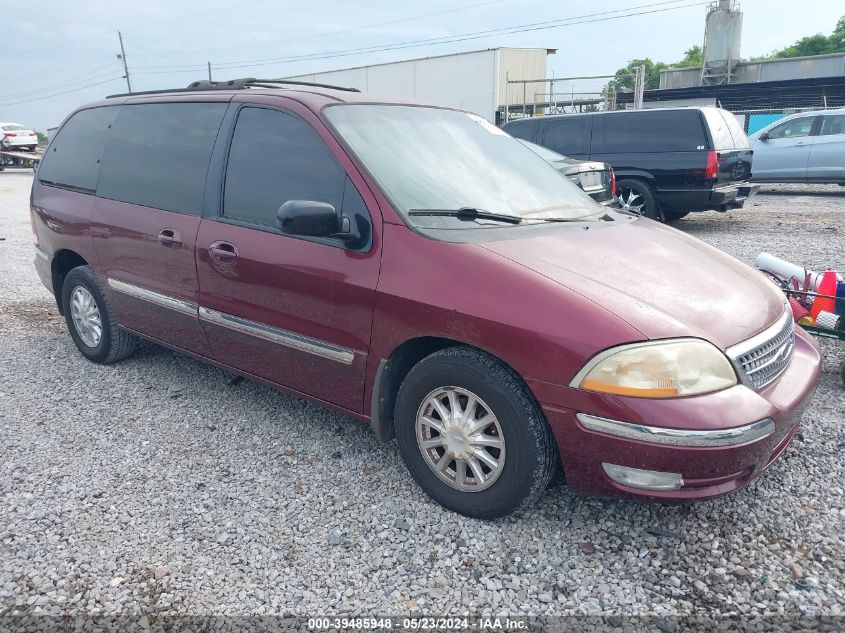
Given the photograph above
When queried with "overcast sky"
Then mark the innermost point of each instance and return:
(52, 51)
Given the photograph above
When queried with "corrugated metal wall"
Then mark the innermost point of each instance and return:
(463, 80)
(679, 103)
(772, 70)
(521, 64)
(473, 81)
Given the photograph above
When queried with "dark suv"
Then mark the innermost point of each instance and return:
(668, 161)
(419, 269)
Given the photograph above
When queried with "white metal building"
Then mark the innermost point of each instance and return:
(474, 81)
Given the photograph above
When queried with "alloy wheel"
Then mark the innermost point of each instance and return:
(460, 438)
(630, 200)
(86, 316)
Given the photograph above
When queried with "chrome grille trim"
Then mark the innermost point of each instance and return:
(761, 360)
(733, 436)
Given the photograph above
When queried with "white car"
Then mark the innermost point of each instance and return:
(16, 136)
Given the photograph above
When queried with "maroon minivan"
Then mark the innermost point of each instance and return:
(417, 268)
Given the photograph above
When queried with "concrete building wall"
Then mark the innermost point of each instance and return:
(770, 70)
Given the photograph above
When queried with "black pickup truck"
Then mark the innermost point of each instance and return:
(668, 161)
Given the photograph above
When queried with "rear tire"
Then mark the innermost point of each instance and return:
(90, 319)
(508, 460)
(636, 196)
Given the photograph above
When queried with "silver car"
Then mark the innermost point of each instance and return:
(803, 147)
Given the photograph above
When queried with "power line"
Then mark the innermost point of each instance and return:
(331, 33)
(68, 82)
(77, 89)
(537, 26)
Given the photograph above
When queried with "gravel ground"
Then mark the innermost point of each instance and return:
(155, 487)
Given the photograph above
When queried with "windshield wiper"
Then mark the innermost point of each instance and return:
(468, 213)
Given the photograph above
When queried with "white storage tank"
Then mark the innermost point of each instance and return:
(722, 39)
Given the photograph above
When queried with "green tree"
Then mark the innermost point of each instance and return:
(625, 76)
(817, 44)
(693, 57)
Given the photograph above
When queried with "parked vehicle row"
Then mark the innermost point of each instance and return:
(471, 303)
(804, 147)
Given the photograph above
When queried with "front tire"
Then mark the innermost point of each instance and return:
(636, 196)
(90, 319)
(472, 434)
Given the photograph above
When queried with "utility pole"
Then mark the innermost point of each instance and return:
(209, 71)
(122, 56)
(639, 87)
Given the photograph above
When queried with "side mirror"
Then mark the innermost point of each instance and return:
(763, 137)
(310, 218)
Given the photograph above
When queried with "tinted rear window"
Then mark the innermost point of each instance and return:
(566, 135)
(726, 131)
(74, 155)
(649, 131)
(158, 155)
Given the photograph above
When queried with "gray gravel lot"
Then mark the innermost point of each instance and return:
(155, 487)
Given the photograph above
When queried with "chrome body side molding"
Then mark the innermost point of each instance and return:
(165, 301)
(277, 335)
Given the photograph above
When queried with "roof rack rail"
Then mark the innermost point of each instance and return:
(247, 82)
(235, 84)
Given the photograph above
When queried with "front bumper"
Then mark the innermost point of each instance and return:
(707, 471)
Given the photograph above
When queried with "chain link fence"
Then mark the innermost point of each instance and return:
(756, 119)
(567, 95)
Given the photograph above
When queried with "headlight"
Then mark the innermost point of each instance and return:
(658, 369)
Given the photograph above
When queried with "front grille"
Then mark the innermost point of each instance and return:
(762, 358)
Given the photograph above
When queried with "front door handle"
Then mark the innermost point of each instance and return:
(170, 237)
(223, 252)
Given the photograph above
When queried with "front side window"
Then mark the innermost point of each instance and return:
(437, 159)
(566, 135)
(795, 128)
(73, 159)
(158, 155)
(834, 124)
(276, 157)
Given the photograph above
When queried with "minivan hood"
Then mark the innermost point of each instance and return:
(658, 279)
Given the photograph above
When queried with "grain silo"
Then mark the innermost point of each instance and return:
(722, 38)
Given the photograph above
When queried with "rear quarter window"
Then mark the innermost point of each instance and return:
(73, 158)
(649, 131)
(158, 155)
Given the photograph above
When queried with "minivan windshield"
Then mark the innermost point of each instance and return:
(428, 158)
